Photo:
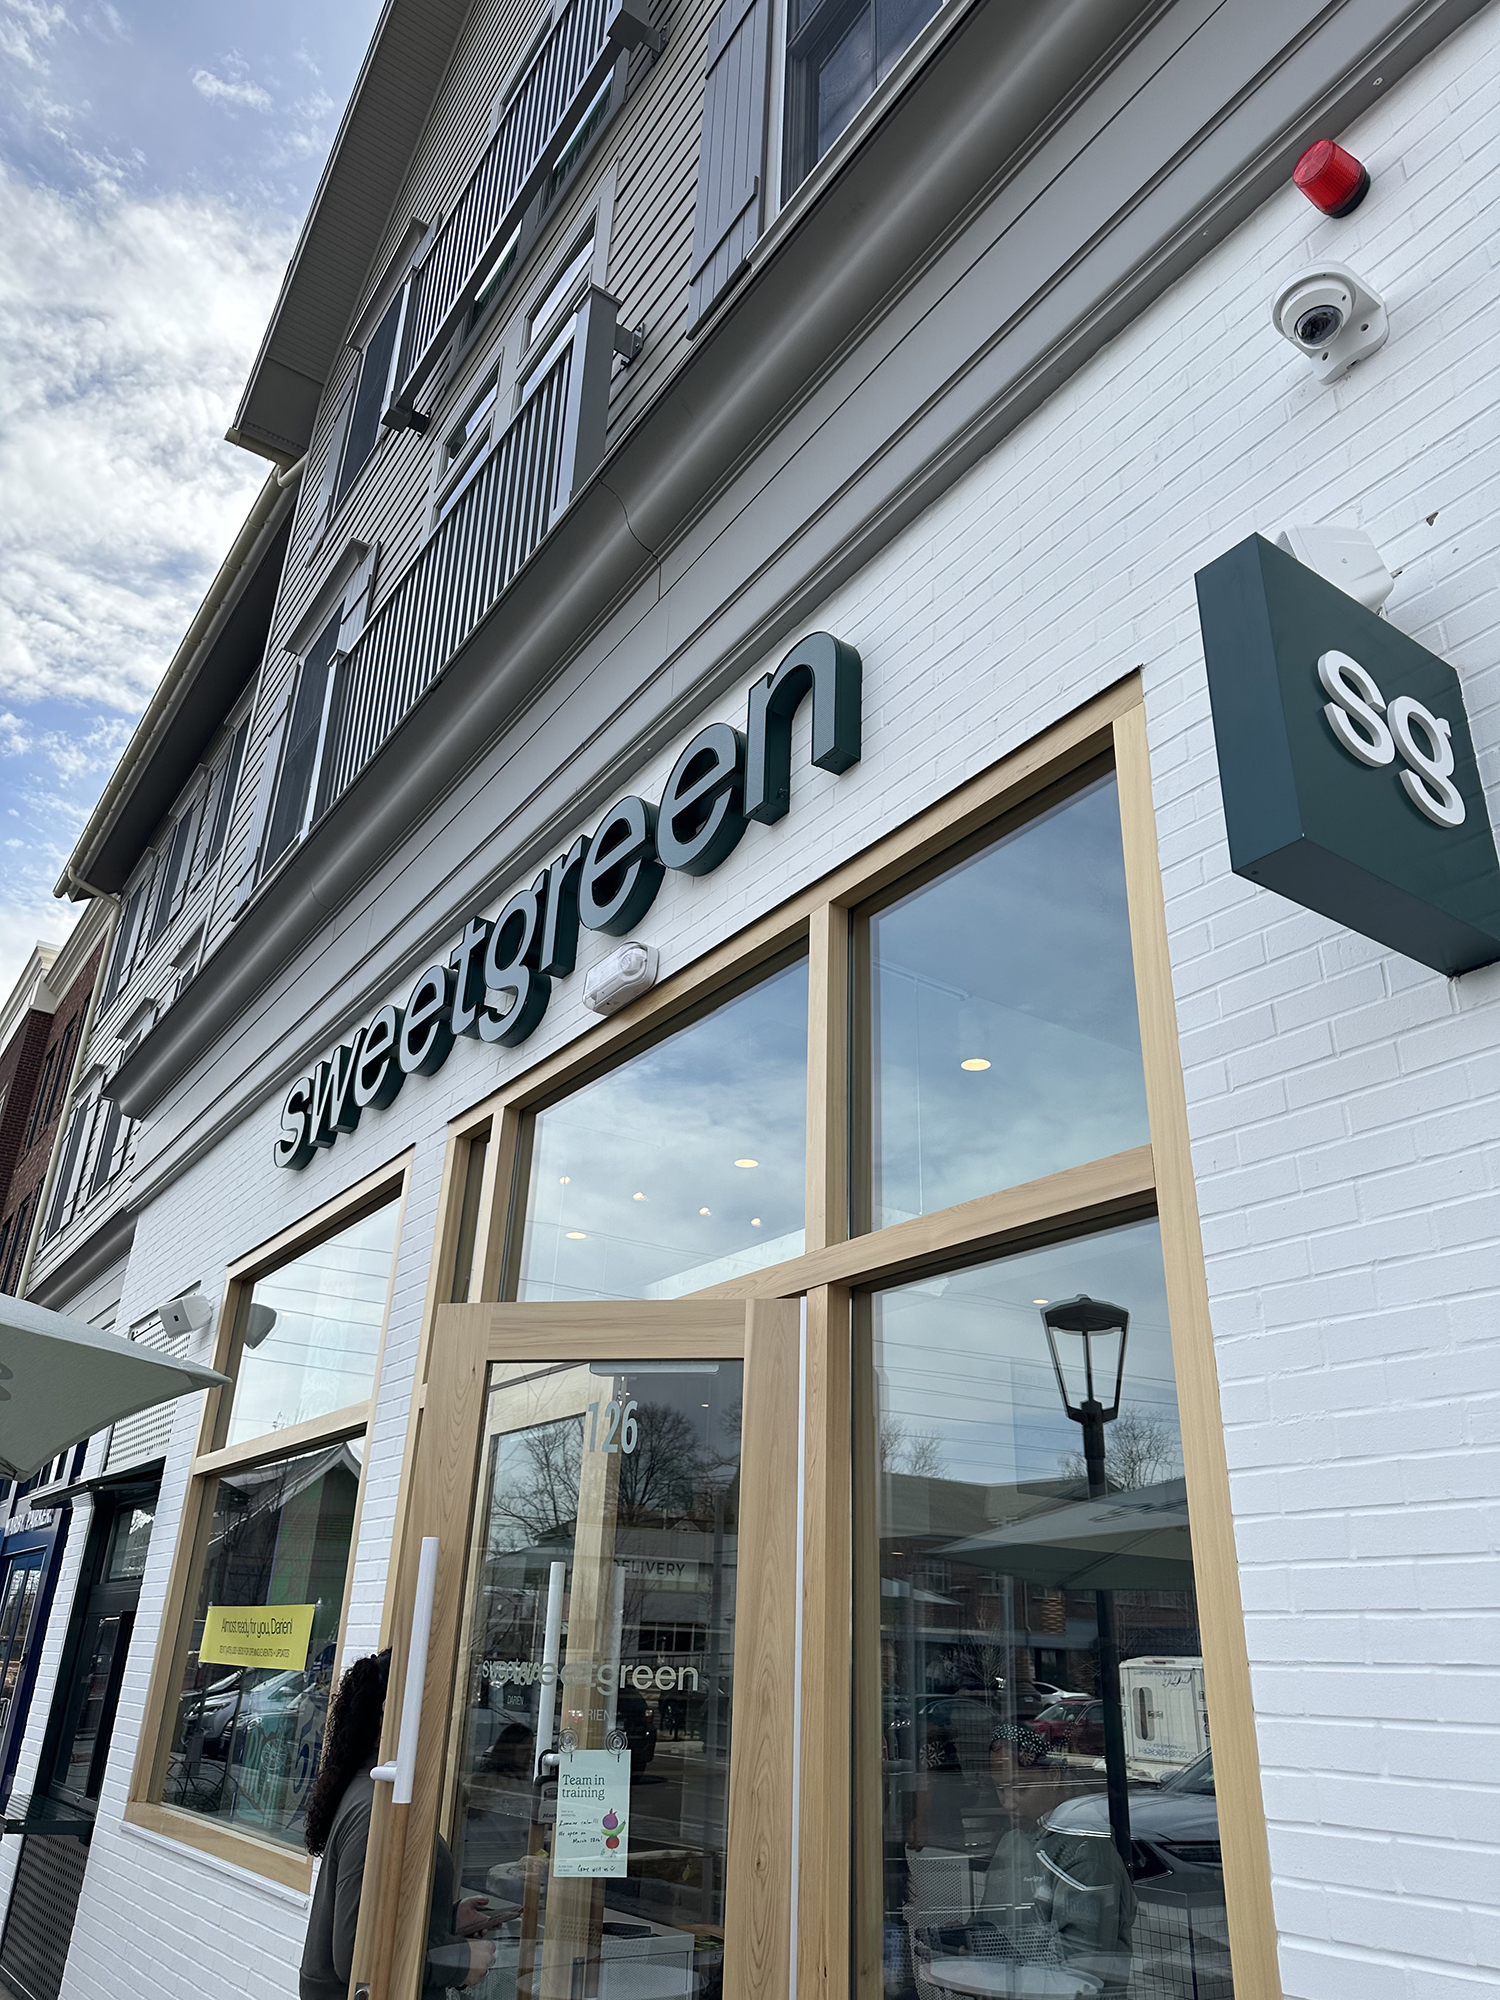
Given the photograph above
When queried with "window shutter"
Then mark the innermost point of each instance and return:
(166, 901)
(265, 785)
(731, 154)
(119, 963)
(338, 431)
(224, 805)
(66, 1169)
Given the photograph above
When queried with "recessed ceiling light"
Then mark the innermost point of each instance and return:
(705, 1211)
(576, 1236)
(975, 1062)
(755, 1222)
(563, 1179)
(747, 1163)
(637, 1197)
(1038, 1302)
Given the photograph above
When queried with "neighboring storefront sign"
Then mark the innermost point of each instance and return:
(256, 1635)
(606, 882)
(1348, 774)
(30, 1523)
(593, 1813)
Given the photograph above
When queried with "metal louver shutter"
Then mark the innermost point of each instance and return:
(147, 1434)
(731, 154)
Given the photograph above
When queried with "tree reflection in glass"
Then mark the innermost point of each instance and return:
(600, 1619)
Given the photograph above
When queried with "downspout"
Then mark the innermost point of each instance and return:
(84, 1042)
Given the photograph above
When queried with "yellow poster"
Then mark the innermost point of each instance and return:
(256, 1635)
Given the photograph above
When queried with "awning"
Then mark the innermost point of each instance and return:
(1133, 1540)
(60, 1381)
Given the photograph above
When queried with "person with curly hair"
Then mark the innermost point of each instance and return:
(338, 1829)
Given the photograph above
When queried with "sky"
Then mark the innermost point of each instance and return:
(155, 163)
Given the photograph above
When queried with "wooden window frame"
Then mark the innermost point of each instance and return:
(832, 1962)
(211, 1459)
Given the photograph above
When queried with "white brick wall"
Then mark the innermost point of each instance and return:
(1341, 1099)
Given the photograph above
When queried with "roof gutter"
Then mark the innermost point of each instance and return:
(266, 514)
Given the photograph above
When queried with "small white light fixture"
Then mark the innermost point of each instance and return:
(747, 1163)
(755, 1222)
(975, 1062)
(1346, 557)
(615, 981)
(577, 1236)
(563, 1179)
(637, 1197)
(705, 1211)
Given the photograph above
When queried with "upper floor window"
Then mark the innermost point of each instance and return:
(559, 292)
(464, 445)
(491, 284)
(36, 1121)
(174, 875)
(170, 876)
(296, 790)
(13, 1252)
(838, 51)
(371, 394)
(126, 933)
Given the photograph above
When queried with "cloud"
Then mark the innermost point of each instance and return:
(308, 134)
(28, 29)
(231, 90)
(129, 324)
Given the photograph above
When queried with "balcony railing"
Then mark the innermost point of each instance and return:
(533, 469)
(587, 40)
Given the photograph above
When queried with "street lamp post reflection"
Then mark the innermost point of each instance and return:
(1092, 1335)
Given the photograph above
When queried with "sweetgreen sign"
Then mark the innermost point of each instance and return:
(1345, 761)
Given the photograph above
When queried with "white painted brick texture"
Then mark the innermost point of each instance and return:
(1343, 1102)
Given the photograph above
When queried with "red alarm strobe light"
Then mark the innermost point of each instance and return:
(1332, 179)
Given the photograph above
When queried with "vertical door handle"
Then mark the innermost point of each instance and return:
(401, 1774)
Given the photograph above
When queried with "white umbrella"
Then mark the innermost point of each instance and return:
(61, 1381)
(1132, 1540)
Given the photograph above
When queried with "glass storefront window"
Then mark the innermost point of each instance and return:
(1003, 1042)
(598, 1675)
(683, 1167)
(312, 1330)
(1046, 1807)
(130, 1544)
(249, 1722)
(23, 1578)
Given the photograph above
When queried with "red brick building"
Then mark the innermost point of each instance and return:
(47, 1019)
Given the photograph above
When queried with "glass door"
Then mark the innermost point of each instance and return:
(103, 1629)
(607, 1783)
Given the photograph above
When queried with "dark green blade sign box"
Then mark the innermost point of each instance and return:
(1344, 755)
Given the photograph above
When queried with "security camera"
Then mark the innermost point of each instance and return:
(1331, 317)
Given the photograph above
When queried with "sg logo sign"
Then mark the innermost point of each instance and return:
(1311, 692)
(1373, 730)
